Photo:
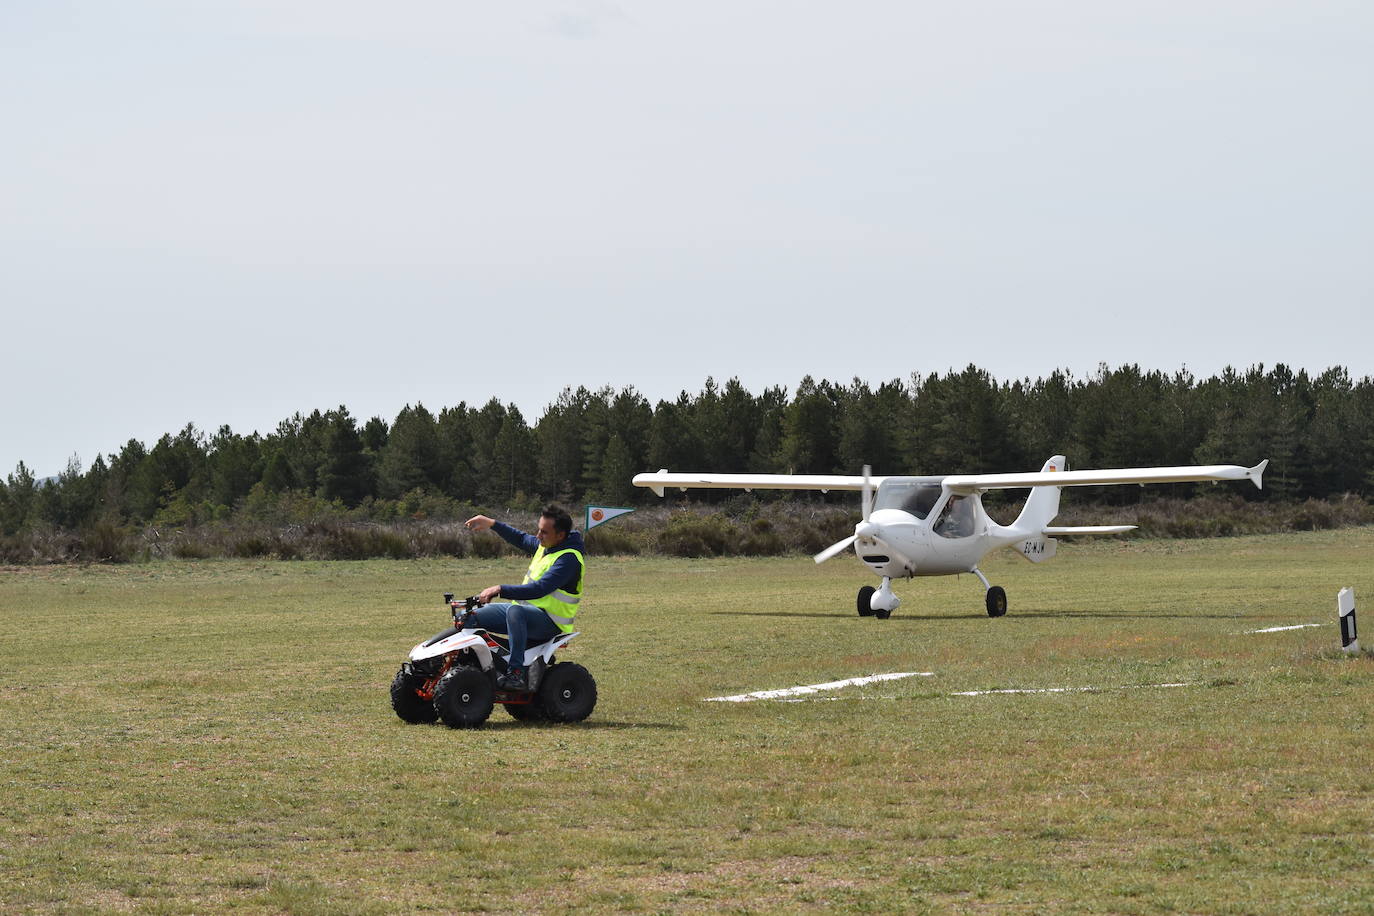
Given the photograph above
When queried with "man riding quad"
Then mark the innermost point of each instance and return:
(545, 604)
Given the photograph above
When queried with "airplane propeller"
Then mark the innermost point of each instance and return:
(837, 547)
(867, 507)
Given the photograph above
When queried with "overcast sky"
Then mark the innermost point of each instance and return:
(228, 211)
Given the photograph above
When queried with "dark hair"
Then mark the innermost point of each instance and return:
(562, 521)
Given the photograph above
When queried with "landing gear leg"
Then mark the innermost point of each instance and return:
(996, 596)
(883, 601)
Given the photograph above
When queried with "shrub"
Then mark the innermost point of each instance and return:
(489, 547)
(13, 549)
(345, 542)
(814, 535)
(1314, 516)
(611, 541)
(254, 545)
(760, 540)
(191, 548)
(687, 535)
(106, 542)
(441, 544)
(425, 539)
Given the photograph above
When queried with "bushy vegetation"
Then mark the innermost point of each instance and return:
(742, 527)
(324, 485)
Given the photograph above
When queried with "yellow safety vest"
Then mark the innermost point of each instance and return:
(561, 605)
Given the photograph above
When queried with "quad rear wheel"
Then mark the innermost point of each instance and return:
(568, 693)
(406, 700)
(463, 697)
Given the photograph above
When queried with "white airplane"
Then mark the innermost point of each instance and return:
(937, 526)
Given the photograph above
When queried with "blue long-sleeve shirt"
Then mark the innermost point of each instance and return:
(562, 574)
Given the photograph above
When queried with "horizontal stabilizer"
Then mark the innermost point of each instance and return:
(1037, 550)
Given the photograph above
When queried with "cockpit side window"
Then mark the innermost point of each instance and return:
(907, 495)
(957, 519)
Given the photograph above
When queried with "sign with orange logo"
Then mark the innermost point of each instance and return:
(597, 515)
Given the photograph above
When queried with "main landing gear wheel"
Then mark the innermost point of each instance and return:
(865, 601)
(464, 697)
(997, 601)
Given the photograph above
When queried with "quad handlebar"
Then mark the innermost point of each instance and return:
(466, 606)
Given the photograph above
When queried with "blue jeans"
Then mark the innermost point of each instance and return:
(522, 624)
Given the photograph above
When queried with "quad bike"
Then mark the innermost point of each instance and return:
(451, 677)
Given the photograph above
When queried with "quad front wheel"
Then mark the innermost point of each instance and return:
(997, 601)
(526, 712)
(463, 697)
(406, 700)
(568, 693)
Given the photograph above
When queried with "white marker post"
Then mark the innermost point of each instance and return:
(1345, 605)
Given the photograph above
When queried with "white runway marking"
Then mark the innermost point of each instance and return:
(984, 693)
(790, 694)
(1300, 626)
(816, 688)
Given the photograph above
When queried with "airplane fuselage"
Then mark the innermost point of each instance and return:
(915, 529)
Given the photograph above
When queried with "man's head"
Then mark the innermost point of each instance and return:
(554, 525)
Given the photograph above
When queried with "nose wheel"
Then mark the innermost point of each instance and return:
(879, 602)
(866, 601)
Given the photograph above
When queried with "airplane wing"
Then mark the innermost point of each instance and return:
(824, 482)
(978, 483)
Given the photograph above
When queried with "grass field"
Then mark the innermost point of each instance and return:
(216, 735)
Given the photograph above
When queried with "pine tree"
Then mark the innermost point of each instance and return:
(672, 436)
(235, 464)
(766, 455)
(277, 476)
(557, 436)
(514, 456)
(737, 428)
(18, 503)
(617, 471)
(346, 472)
(411, 459)
(809, 429)
(455, 450)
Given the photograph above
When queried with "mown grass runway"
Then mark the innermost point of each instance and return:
(216, 735)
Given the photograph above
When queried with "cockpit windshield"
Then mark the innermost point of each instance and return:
(911, 496)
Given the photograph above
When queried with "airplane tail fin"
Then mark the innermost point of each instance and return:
(1043, 503)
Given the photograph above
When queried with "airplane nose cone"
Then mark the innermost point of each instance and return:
(866, 529)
